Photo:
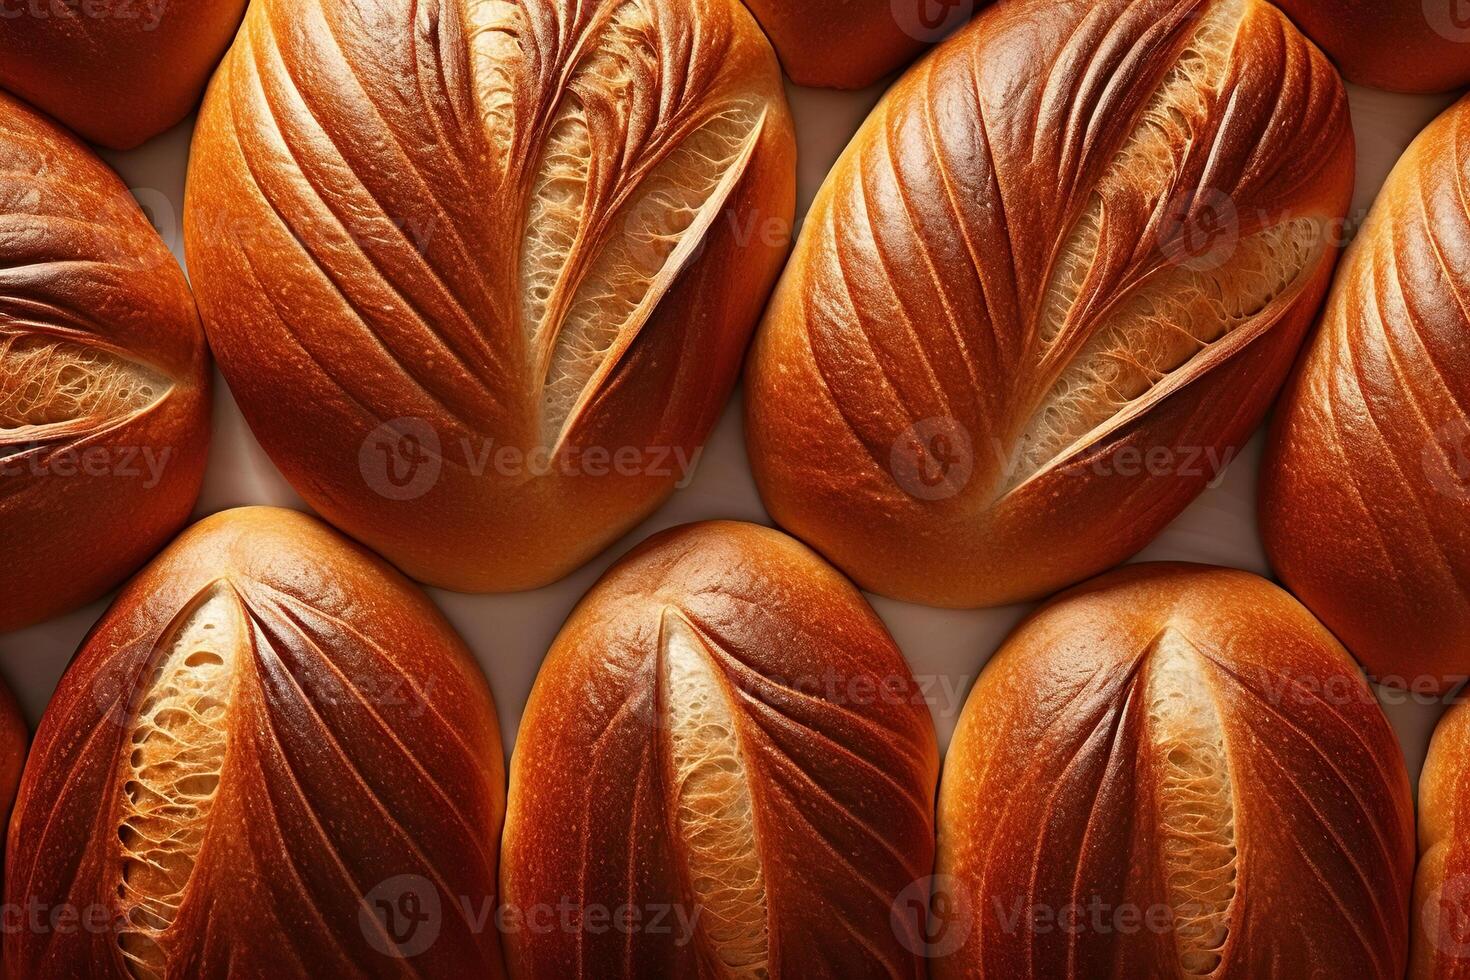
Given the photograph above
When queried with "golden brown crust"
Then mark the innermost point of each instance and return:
(823, 739)
(526, 239)
(14, 739)
(104, 383)
(1442, 882)
(340, 742)
(1174, 770)
(116, 71)
(1399, 45)
(1364, 494)
(1033, 311)
(853, 43)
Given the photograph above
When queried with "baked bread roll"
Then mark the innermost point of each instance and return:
(273, 757)
(854, 43)
(1365, 488)
(1174, 771)
(116, 71)
(481, 275)
(1399, 45)
(1034, 312)
(104, 383)
(724, 742)
(1441, 943)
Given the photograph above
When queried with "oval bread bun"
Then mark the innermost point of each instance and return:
(1399, 45)
(481, 275)
(117, 71)
(1365, 487)
(104, 377)
(272, 757)
(853, 43)
(1174, 771)
(1441, 943)
(723, 736)
(1033, 313)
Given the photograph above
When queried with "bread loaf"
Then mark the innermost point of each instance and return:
(1399, 45)
(725, 769)
(1441, 941)
(481, 275)
(104, 384)
(271, 758)
(854, 43)
(1174, 771)
(1365, 489)
(1047, 291)
(116, 71)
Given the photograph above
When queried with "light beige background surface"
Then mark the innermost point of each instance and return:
(510, 633)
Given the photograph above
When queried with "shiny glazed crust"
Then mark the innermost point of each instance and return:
(1442, 881)
(116, 71)
(1364, 495)
(854, 43)
(1047, 292)
(104, 383)
(269, 739)
(14, 739)
(723, 731)
(1399, 45)
(481, 273)
(1175, 771)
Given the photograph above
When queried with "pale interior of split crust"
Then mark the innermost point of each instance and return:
(45, 382)
(1185, 306)
(1196, 818)
(602, 236)
(713, 807)
(176, 751)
